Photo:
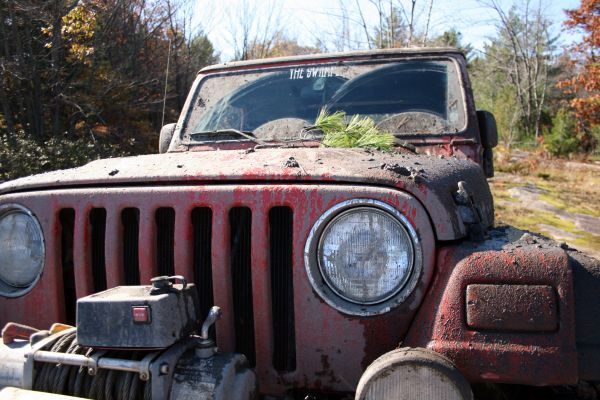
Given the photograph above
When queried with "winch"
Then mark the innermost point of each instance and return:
(130, 342)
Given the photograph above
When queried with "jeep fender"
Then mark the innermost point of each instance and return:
(504, 310)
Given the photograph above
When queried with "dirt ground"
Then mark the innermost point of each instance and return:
(558, 198)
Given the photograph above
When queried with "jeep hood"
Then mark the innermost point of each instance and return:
(431, 179)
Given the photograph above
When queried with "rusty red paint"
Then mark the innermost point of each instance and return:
(340, 166)
(526, 358)
(147, 248)
(221, 275)
(511, 308)
(348, 343)
(82, 253)
(261, 292)
(490, 376)
(114, 250)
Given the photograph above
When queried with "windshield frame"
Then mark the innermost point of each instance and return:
(185, 140)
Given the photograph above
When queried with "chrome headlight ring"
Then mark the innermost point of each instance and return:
(22, 250)
(332, 292)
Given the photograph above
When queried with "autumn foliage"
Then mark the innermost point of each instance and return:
(84, 79)
(585, 84)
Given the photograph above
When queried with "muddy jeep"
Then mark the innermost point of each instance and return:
(247, 260)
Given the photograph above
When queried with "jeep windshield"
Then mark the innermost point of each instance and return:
(407, 98)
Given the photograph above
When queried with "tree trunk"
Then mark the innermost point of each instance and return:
(57, 85)
(10, 126)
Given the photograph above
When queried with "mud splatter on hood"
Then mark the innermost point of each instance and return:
(431, 179)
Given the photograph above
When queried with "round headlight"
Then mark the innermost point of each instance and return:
(21, 250)
(363, 257)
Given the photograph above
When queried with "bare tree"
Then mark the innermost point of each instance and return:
(427, 24)
(351, 27)
(252, 26)
(411, 24)
(524, 37)
(364, 24)
(360, 24)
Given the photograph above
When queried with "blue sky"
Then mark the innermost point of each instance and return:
(309, 20)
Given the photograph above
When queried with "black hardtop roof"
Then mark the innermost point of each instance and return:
(379, 53)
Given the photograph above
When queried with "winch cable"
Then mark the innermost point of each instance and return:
(66, 373)
(108, 388)
(75, 380)
(48, 371)
(148, 391)
(97, 386)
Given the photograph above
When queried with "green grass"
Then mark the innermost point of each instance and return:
(572, 189)
(533, 218)
(586, 241)
(560, 200)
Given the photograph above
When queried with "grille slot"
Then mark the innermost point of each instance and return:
(202, 228)
(165, 233)
(67, 225)
(130, 218)
(98, 228)
(281, 222)
(240, 220)
(135, 227)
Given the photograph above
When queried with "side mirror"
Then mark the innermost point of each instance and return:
(489, 139)
(166, 134)
(487, 128)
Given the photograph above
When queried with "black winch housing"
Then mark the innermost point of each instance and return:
(142, 317)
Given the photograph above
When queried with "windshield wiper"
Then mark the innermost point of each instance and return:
(245, 134)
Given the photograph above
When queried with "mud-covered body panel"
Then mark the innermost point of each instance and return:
(586, 284)
(431, 179)
(529, 354)
(332, 348)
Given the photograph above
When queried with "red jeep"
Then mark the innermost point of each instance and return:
(339, 272)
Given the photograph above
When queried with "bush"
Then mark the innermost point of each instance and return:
(595, 133)
(21, 155)
(562, 139)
